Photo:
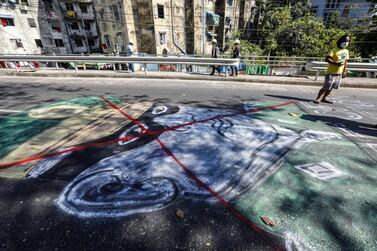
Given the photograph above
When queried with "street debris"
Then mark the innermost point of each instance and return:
(293, 114)
(180, 214)
(267, 221)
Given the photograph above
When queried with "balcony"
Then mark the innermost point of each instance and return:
(78, 1)
(91, 33)
(212, 19)
(51, 14)
(75, 15)
(76, 33)
(70, 14)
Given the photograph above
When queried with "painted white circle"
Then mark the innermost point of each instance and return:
(135, 129)
(159, 110)
(344, 113)
(56, 112)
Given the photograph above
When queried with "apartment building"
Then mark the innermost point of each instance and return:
(25, 28)
(81, 26)
(353, 12)
(170, 27)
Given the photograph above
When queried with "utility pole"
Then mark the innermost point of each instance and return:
(86, 38)
(203, 26)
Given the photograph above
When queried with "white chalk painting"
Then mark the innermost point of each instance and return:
(322, 170)
(231, 154)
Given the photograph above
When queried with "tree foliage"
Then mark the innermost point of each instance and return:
(288, 28)
(367, 38)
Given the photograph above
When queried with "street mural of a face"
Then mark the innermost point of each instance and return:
(231, 154)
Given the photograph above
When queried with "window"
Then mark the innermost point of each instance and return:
(314, 10)
(31, 22)
(346, 11)
(69, 7)
(7, 22)
(79, 42)
(116, 12)
(74, 26)
(16, 43)
(87, 26)
(83, 8)
(59, 42)
(107, 41)
(91, 42)
(160, 11)
(162, 38)
(56, 28)
(48, 5)
(38, 42)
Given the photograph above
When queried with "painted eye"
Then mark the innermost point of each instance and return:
(133, 131)
(112, 187)
(159, 110)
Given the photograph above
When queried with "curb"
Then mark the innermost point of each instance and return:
(303, 82)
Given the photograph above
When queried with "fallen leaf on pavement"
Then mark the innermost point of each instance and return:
(267, 221)
(180, 214)
(293, 114)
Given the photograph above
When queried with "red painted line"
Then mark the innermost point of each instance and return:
(72, 149)
(125, 114)
(222, 201)
(145, 131)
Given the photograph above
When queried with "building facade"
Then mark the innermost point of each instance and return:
(81, 26)
(170, 27)
(48, 26)
(23, 30)
(351, 12)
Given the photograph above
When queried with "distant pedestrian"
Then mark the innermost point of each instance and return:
(336, 69)
(215, 54)
(130, 52)
(236, 54)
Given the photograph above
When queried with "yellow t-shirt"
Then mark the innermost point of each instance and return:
(339, 56)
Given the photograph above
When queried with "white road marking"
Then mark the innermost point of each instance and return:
(9, 111)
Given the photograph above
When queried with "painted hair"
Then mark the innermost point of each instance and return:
(342, 39)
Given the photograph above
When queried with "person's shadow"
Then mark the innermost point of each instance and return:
(288, 97)
(350, 125)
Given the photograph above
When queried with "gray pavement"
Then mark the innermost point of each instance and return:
(336, 214)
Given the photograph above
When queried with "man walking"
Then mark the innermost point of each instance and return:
(236, 54)
(336, 70)
(215, 54)
(130, 52)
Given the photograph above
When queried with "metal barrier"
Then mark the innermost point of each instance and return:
(360, 67)
(121, 60)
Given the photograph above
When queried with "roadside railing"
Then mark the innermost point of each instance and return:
(79, 59)
(356, 67)
(264, 65)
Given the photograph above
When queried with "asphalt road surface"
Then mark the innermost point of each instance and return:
(108, 164)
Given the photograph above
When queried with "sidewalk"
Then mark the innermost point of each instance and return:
(348, 82)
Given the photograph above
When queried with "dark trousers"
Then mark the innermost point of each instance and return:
(215, 68)
(234, 68)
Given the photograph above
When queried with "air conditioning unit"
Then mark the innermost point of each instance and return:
(23, 7)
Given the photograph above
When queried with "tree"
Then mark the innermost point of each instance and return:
(367, 38)
(306, 37)
(289, 28)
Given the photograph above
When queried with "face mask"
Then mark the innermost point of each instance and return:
(344, 44)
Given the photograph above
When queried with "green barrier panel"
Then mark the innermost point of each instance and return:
(257, 69)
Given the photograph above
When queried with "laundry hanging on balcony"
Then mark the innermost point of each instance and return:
(213, 19)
